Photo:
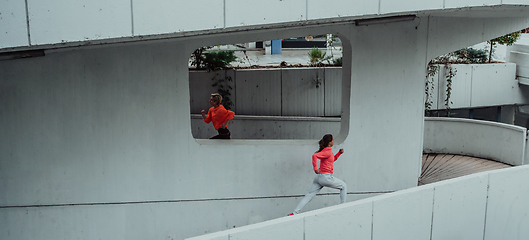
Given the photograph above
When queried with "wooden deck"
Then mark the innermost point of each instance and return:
(437, 166)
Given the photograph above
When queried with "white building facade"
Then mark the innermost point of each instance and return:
(96, 140)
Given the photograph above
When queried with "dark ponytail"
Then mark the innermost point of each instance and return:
(324, 142)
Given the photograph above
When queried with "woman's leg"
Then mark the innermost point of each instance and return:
(328, 180)
(313, 190)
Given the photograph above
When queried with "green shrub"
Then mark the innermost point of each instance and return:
(337, 61)
(317, 56)
(471, 55)
(219, 60)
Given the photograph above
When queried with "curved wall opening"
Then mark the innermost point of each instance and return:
(274, 95)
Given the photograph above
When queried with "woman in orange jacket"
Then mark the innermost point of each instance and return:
(219, 116)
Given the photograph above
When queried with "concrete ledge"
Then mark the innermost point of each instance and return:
(471, 85)
(490, 140)
(279, 118)
(269, 128)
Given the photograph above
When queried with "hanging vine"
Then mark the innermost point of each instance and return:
(449, 76)
(433, 68)
(462, 56)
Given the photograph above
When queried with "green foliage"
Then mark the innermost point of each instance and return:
(451, 74)
(431, 69)
(212, 60)
(317, 57)
(471, 55)
(508, 39)
(462, 56)
(337, 61)
(224, 89)
(219, 60)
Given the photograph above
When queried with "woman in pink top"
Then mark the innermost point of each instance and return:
(324, 177)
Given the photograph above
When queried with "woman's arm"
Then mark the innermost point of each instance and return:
(338, 154)
(229, 116)
(320, 155)
(225, 124)
(207, 118)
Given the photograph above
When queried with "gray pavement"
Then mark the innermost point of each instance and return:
(290, 56)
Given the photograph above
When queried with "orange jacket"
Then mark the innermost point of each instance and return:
(218, 115)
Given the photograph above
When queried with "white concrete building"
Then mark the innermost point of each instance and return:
(95, 137)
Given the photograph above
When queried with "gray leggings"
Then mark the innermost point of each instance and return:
(320, 181)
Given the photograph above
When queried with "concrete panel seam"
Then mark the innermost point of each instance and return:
(372, 217)
(471, 81)
(427, 40)
(323, 85)
(306, 9)
(27, 22)
(234, 81)
(304, 227)
(224, 13)
(132, 16)
(524, 152)
(433, 212)
(486, 206)
(281, 91)
(439, 99)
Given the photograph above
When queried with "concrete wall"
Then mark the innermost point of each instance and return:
(496, 141)
(257, 92)
(98, 142)
(311, 92)
(489, 205)
(479, 85)
(26, 24)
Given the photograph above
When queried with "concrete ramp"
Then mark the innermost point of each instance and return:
(489, 205)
